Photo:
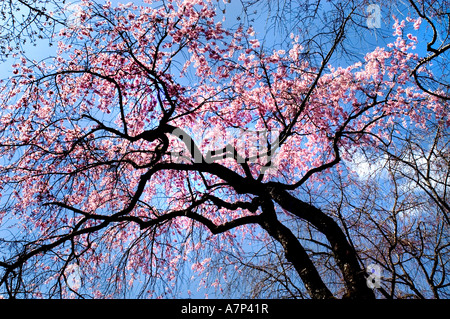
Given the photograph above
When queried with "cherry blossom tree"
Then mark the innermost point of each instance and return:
(436, 15)
(117, 177)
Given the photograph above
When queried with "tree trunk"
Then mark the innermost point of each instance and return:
(345, 255)
(295, 253)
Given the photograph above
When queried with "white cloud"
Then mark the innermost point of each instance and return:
(367, 168)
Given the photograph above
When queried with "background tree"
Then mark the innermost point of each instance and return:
(109, 189)
(26, 22)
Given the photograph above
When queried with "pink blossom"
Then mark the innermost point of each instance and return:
(417, 23)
